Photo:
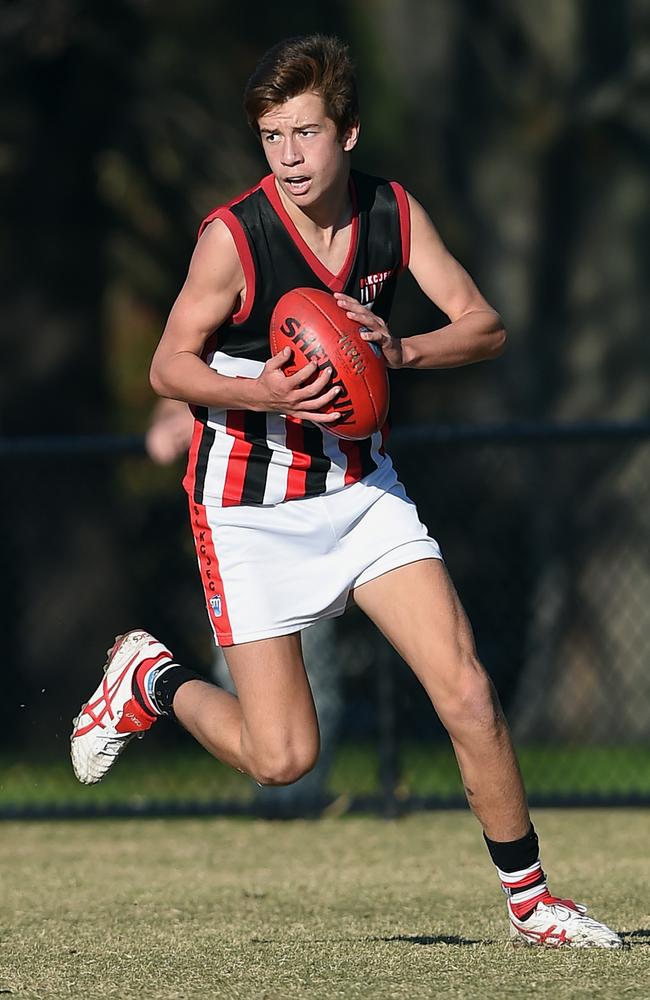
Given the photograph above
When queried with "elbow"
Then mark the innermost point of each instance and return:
(498, 342)
(156, 381)
(495, 342)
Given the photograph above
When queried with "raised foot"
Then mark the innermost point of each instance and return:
(112, 717)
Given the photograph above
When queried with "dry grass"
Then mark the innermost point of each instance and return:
(350, 908)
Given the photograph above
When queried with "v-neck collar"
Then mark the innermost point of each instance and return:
(335, 282)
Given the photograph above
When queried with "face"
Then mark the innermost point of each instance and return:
(303, 149)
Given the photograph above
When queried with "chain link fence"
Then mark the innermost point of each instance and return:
(544, 530)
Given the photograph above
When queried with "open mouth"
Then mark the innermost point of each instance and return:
(298, 184)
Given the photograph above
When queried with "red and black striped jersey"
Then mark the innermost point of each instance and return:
(245, 457)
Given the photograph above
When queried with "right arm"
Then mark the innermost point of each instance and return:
(213, 290)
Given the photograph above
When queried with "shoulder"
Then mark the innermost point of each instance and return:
(229, 208)
(216, 239)
(215, 262)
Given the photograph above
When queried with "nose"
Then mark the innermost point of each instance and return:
(291, 154)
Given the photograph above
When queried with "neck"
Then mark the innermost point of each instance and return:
(327, 215)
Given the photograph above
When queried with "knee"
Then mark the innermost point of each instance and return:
(469, 697)
(283, 767)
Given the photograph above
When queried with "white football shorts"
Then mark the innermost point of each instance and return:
(274, 570)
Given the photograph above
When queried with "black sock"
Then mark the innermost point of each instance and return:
(520, 872)
(514, 855)
(167, 684)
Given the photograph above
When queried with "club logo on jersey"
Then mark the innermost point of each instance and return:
(215, 604)
(371, 285)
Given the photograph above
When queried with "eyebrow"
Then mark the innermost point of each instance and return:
(296, 128)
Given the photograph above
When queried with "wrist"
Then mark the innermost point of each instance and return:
(410, 354)
(248, 395)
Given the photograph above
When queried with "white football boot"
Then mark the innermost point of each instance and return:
(112, 716)
(557, 923)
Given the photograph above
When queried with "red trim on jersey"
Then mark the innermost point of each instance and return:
(353, 468)
(223, 213)
(243, 252)
(211, 579)
(335, 282)
(300, 463)
(189, 480)
(228, 204)
(233, 486)
(246, 259)
(404, 212)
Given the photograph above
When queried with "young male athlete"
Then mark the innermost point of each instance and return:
(290, 522)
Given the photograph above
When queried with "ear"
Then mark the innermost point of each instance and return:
(351, 137)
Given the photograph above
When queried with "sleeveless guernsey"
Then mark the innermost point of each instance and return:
(243, 457)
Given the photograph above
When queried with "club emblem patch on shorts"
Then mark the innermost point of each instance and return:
(215, 604)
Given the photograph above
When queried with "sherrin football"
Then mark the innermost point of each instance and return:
(310, 322)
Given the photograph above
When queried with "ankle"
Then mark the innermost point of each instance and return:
(520, 872)
(166, 684)
(144, 681)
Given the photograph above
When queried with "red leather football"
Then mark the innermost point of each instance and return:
(310, 322)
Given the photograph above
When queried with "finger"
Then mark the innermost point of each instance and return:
(318, 402)
(314, 417)
(302, 375)
(366, 334)
(368, 324)
(278, 360)
(363, 316)
(345, 301)
(313, 390)
(322, 418)
(356, 308)
(360, 313)
(319, 383)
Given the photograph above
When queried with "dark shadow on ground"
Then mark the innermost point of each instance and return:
(432, 939)
(422, 939)
(636, 938)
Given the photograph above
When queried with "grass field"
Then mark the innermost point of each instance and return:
(352, 908)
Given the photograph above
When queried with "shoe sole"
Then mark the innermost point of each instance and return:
(518, 940)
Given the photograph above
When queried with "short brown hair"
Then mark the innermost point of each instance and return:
(296, 65)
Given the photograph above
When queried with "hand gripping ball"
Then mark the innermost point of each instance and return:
(316, 329)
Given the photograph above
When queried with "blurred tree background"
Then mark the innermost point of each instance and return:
(523, 128)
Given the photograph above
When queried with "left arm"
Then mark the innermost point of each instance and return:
(475, 331)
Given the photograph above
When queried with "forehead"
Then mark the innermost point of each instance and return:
(296, 111)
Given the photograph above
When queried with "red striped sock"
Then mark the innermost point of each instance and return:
(525, 888)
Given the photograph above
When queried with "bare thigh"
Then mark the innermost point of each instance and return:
(278, 714)
(417, 609)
